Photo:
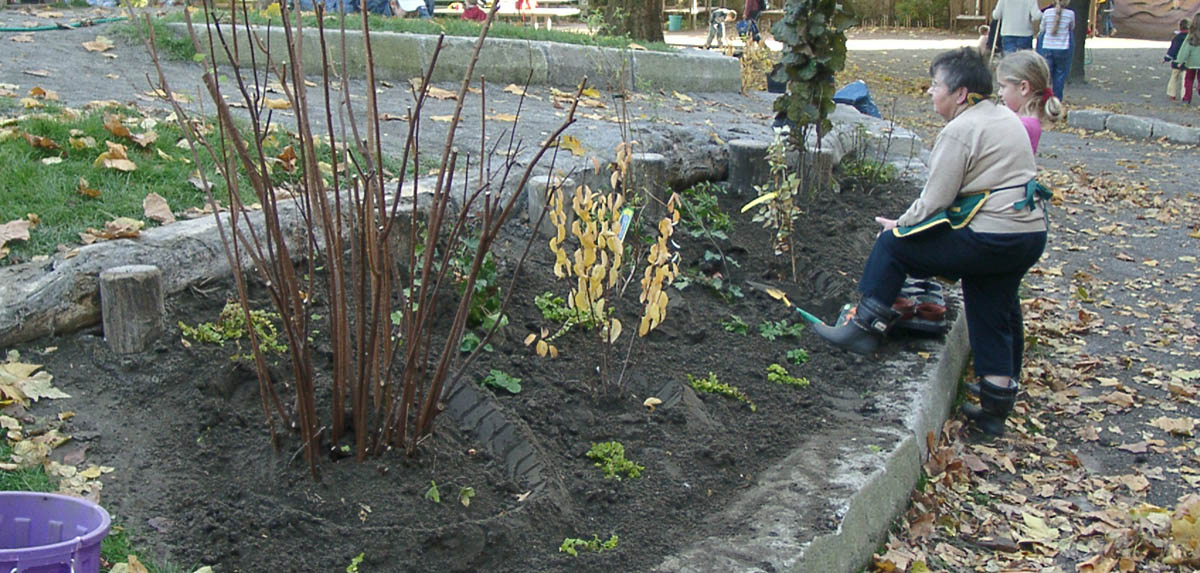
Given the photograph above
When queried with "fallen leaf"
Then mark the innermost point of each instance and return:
(441, 117)
(112, 122)
(681, 97)
(144, 139)
(24, 382)
(156, 209)
(81, 143)
(22, 38)
(39, 142)
(651, 403)
(502, 117)
(572, 144)
(1178, 426)
(1120, 399)
(287, 158)
(276, 103)
(514, 89)
(36, 73)
(633, 46)
(439, 93)
(51, 160)
(40, 93)
(115, 158)
(17, 230)
(100, 44)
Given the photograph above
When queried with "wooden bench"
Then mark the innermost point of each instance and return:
(692, 10)
(543, 15)
(767, 18)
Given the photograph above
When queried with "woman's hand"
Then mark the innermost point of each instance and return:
(888, 224)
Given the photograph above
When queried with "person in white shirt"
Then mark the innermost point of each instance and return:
(1057, 26)
(1017, 19)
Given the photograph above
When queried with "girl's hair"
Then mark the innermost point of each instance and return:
(1193, 36)
(963, 68)
(1059, 6)
(1029, 66)
(1183, 24)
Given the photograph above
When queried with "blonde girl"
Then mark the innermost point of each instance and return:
(1024, 80)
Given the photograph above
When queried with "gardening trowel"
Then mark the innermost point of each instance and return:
(781, 296)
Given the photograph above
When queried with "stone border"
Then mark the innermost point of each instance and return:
(1133, 126)
(400, 56)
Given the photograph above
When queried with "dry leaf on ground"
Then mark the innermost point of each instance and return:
(100, 44)
(572, 144)
(156, 209)
(23, 382)
(115, 158)
(119, 228)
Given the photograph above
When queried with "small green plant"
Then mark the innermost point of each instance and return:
(486, 299)
(720, 287)
(571, 546)
(465, 494)
(702, 215)
(354, 563)
(432, 494)
(735, 325)
(610, 458)
(500, 379)
(797, 356)
(231, 325)
(773, 330)
(471, 341)
(711, 385)
(779, 375)
(555, 309)
(776, 201)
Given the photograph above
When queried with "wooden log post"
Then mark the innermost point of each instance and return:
(748, 165)
(649, 174)
(131, 307)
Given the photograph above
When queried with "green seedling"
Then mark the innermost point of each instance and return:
(471, 341)
(735, 325)
(610, 458)
(354, 563)
(432, 493)
(711, 385)
(465, 494)
(555, 309)
(500, 379)
(773, 330)
(231, 326)
(572, 546)
(779, 375)
(797, 356)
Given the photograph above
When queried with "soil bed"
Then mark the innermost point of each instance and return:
(198, 481)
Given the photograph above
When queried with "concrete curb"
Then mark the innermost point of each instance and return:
(400, 56)
(1133, 126)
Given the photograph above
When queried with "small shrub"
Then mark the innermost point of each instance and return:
(702, 215)
(432, 494)
(500, 379)
(231, 325)
(610, 458)
(779, 375)
(797, 356)
(773, 330)
(711, 385)
(571, 546)
(735, 325)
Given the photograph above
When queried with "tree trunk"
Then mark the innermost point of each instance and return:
(641, 19)
(1083, 12)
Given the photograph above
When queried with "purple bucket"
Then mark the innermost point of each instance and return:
(50, 533)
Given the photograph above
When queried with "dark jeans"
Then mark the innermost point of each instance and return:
(1010, 44)
(990, 265)
(1059, 62)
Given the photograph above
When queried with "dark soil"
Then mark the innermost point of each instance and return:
(199, 482)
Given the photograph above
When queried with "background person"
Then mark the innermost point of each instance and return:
(1056, 28)
(981, 164)
(1017, 19)
(1175, 83)
(716, 26)
(473, 12)
(1189, 58)
(750, 14)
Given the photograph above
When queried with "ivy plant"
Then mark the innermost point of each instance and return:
(813, 33)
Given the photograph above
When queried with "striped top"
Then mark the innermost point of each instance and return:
(1062, 39)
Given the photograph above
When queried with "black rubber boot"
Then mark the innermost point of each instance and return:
(995, 404)
(861, 335)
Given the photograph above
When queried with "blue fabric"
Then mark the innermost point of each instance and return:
(857, 95)
(1059, 62)
(990, 265)
(381, 7)
(1012, 44)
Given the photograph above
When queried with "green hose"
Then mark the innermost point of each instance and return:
(79, 24)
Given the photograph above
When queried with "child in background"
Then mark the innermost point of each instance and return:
(1055, 44)
(1173, 84)
(1024, 80)
(473, 12)
(716, 26)
(984, 46)
(1189, 58)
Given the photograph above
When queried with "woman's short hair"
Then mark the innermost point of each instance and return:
(963, 68)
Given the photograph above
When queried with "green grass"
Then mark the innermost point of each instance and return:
(448, 26)
(51, 192)
(28, 479)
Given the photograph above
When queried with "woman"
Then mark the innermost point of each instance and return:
(750, 14)
(980, 218)
(1055, 46)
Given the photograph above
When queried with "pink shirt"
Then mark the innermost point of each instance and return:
(1033, 126)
